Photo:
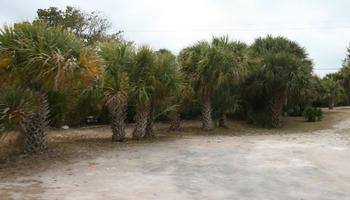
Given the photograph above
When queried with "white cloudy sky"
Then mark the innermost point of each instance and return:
(321, 26)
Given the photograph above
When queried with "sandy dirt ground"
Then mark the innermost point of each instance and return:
(243, 162)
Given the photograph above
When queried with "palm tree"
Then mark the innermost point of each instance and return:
(210, 66)
(118, 58)
(280, 65)
(333, 92)
(167, 82)
(233, 71)
(179, 93)
(142, 78)
(199, 63)
(303, 94)
(42, 59)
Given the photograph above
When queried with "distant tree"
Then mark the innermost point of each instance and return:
(347, 59)
(90, 27)
(345, 76)
(303, 95)
(333, 91)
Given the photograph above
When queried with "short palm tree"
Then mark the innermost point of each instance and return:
(142, 79)
(167, 81)
(233, 72)
(333, 91)
(179, 93)
(210, 66)
(199, 64)
(118, 59)
(42, 59)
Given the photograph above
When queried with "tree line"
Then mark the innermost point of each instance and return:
(65, 66)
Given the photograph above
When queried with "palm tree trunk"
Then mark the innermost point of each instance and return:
(275, 106)
(149, 130)
(141, 118)
(175, 121)
(118, 115)
(34, 128)
(207, 122)
(222, 120)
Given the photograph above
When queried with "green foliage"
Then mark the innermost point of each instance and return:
(119, 58)
(215, 69)
(89, 103)
(41, 55)
(167, 86)
(313, 114)
(281, 65)
(344, 76)
(234, 69)
(15, 104)
(141, 75)
(304, 96)
(50, 60)
(333, 91)
(278, 68)
(190, 109)
(59, 107)
(52, 55)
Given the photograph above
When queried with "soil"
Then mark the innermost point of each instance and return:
(299, 161)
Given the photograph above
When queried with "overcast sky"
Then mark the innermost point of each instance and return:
(321, 26)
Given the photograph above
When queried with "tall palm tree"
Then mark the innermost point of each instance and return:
(118, 58)
(280, 65)
(42, 59)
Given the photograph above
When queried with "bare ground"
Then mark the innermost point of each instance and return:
(299, 161)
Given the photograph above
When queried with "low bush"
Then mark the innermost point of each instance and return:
(313, 114)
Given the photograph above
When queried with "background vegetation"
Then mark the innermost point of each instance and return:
(66, 68)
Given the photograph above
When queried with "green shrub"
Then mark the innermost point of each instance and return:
(313, 114)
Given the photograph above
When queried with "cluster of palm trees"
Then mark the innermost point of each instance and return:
(40, 64)
(37, 60)
(146, 78)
